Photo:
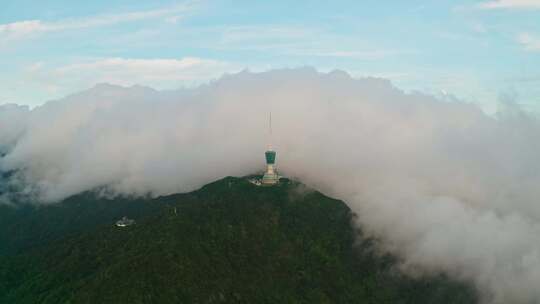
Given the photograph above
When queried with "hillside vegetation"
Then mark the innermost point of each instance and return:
(228, 242)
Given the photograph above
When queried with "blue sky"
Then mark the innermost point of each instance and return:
(476, 50)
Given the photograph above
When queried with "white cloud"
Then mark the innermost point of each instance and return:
(529, 42)
(441, 184)
(12, 123)
(517, 4)
(24, 28)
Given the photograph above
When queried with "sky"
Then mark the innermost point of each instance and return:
(481, 51)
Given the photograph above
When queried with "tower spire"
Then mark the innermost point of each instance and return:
(270, 130)
(270, 122)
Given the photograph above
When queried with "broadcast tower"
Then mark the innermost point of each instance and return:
(270, 176)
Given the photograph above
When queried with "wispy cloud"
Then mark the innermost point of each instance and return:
(188, 68)
(158, 72)
(20, 29)
(281, 32)
(529, 42)
(298, 40)
(361, 55)
(511, 4)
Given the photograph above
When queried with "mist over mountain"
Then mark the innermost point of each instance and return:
(444, 186)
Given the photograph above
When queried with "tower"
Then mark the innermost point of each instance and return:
(270, 176)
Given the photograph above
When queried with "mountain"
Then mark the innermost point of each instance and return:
(228, 242)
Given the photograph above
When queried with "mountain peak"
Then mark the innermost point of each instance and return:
(230, 241)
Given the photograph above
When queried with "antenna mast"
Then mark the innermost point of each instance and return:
(270, 129)
(270, 123)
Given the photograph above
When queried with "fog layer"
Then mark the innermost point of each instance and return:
(444, 186)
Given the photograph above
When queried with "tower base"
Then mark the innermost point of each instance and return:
(270, 179)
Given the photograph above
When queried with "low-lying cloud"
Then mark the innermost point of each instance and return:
(441, 184)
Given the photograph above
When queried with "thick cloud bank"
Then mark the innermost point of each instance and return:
(446, 187)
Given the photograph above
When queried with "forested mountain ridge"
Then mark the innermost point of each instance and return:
(228, 242)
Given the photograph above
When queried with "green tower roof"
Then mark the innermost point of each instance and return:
(270, 157)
